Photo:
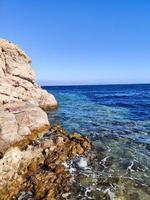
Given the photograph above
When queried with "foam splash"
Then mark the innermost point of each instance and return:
(82, 163)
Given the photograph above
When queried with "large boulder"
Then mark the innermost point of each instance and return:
(17, 79)
(20, 123)
(22, 101)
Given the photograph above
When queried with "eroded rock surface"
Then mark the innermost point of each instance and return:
(20, 123)
(17, 79)
(39, 169)
(21, 99)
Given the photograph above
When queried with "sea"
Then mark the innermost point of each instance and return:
(117, 119)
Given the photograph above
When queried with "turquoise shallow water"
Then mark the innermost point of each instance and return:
(117, 118)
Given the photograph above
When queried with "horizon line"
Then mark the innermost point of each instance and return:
(105, 84)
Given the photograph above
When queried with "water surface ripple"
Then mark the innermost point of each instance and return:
(117, 118)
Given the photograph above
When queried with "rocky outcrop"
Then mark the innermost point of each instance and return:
(17, 79)
(21, 99)
(20, 123)
(32, 153)
(39, 170)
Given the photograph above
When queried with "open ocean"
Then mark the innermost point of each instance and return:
(117, 118)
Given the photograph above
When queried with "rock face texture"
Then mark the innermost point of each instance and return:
(17, 79)
(20, 123)
(38, 172)
(21, 99)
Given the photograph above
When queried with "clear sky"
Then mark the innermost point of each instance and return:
(81, 41)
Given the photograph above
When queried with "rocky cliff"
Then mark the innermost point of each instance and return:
(32, 153)
(17, 79)
(21, 99)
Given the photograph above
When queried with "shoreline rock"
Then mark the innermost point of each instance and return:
(20, 123)
(22, 101)
(17, 79)
(41, 163)
(32, 152)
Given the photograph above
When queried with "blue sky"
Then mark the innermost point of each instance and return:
(81, 41)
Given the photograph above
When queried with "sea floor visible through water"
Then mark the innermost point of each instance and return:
(117, 119)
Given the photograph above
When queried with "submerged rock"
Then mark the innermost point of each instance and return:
(39, 169)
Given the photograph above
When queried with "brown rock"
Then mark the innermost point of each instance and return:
(86, 145)
(59, 169)
(80, 150)
(60, 141)
(36, 166)
(48, 144)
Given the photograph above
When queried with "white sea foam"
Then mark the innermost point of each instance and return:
(88, 190)
(110, 193)
(130, 167)
(82, 163)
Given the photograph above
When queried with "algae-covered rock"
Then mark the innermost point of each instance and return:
(39, 168)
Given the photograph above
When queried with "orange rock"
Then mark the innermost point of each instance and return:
(59, 169)
(79, 148)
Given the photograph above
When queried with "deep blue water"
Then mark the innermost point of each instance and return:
(116, 117)
(118, 109)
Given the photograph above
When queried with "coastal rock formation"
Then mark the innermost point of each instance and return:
(32, 153)
(17, 79)
(39, 170)
(19, 123)
(21, 99)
